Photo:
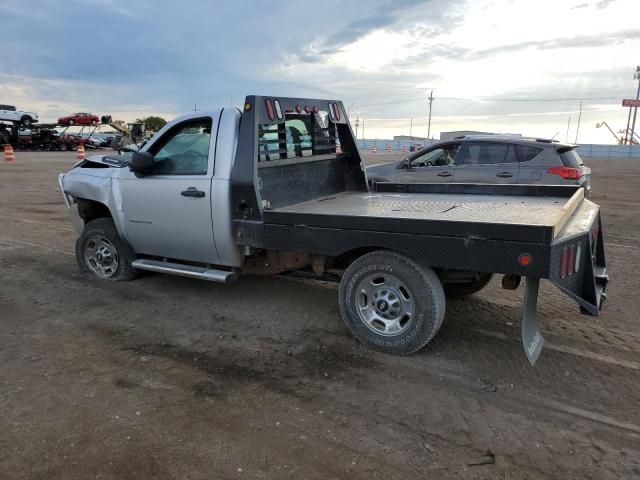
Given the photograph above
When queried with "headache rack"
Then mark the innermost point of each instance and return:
(288, 153)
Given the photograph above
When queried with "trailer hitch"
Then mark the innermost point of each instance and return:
(532, 339)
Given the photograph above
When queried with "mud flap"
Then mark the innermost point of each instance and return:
(532, 339)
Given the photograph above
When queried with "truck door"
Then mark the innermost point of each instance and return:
(487, 162)
(167, 213)
(433, 165)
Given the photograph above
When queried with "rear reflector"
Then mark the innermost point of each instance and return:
(270, 112)
(525, 259)
(568, 173)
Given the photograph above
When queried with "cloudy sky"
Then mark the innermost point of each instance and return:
(496, 65)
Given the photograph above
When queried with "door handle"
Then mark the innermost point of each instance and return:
(444, 174)
(504, 175)
(192, 192)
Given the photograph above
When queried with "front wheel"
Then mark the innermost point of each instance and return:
(390, 303)
(101, 252)
(26, 121)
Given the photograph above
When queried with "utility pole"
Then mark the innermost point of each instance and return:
(411, 129)
(636, 76)
(195, 107)
(357, 122)
(363, 129)
(429, 125)
(566, 137)
(578, 127)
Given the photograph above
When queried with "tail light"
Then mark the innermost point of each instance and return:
(564, 264)
(334, 112)
(276, 104)
(270, 112)
(570, 262)
(568, 173)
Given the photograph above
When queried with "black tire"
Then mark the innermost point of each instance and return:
(102, 233)
(421, 287)
(62, 146)
(26, 121)
(70, 122)
(94, 122)
(454, 290)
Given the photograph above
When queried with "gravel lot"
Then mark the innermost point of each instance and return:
(172, 378)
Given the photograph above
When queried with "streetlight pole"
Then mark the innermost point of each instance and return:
(411, 130)
(578, 127)
(636, 76)
(429, 124)
(349, 109)
(357, 122)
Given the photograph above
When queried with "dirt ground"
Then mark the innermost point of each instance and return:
(172, 378)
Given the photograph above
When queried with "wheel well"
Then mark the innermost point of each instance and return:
(347, 258)
(91, 210)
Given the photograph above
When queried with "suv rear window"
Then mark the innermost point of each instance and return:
(571, 158)
(527, 152)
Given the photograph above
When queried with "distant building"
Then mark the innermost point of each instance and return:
(407, 138)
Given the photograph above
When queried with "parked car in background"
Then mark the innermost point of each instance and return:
(79, 119)
(489, 159)
(11, 114)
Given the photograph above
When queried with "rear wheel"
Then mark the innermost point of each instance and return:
(70, 122)
(94, 122)
(102, 253)
(467, 288)
(62, 146)
(390, 303)
(26, 121)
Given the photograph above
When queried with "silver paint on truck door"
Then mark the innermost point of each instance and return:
(169, 213)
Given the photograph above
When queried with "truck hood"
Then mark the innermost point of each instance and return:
(102, 161)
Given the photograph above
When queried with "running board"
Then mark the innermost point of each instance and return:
(202, 273)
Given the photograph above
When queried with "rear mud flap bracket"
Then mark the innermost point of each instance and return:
(532, 339)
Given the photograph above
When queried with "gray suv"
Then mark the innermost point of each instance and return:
(489, 159)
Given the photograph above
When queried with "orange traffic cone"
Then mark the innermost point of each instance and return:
(9, 156)
(374, 149)
(388, 148)
(80, 154)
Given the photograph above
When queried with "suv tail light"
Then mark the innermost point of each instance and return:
(568, 173)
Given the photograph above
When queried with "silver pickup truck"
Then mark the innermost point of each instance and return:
(265, 191)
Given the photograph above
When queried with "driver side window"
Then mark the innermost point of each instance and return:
(184, 150)
(438, 157)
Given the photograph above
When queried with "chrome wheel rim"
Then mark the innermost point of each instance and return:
(101, 256)
(384, 304)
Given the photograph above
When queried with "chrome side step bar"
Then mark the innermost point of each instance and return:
(220, 276)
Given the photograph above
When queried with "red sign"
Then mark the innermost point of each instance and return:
(630, 102)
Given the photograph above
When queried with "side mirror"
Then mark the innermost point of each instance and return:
(141, 163)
